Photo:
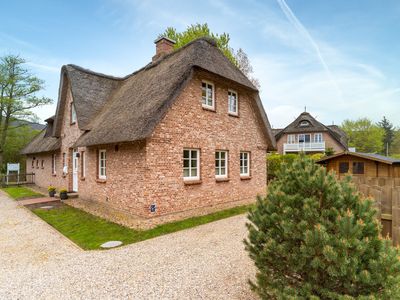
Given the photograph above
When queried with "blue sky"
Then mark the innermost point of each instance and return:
(338, 58)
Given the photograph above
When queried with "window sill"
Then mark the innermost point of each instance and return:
(98, 180)
(192, 182)
(222, 179)
(245, 177)
(233, 115)
(208, 108)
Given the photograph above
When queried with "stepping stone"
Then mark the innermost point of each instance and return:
(111, 244)
(47, 207)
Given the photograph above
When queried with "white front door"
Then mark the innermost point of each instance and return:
(75, 170)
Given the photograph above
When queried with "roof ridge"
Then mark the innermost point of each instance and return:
(88, 71)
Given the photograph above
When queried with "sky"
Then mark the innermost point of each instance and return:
(339, 59)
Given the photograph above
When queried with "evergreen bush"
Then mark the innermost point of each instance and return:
(316, 237)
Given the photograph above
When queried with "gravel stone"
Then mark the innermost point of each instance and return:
(206, 262)
(47, 207)
(111, 244)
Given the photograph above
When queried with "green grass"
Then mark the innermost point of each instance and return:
(18, 192)
(89, 231)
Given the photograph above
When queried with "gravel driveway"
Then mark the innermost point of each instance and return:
(206, 262)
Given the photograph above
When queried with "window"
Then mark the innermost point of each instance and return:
(318, 138)
(221, 164)
(191, 162)
(102, 164)
(73, 113)
(83, 162)
(53, 164)
(232, 102)
(291, 139)
(245, 163)
(343, 167)
(358, 167)
(304, 123)
(33, 163)
(42, 164)
(207, 94)
(304, 138)
(37, 164)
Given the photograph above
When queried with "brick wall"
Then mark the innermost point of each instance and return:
(188, 125)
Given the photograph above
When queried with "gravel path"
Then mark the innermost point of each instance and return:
(206, 262)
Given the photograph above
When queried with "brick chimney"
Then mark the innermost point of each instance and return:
(164, 46)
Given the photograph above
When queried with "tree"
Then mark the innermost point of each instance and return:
(17, 138)
(364, 135)
(18, 95)
(388, 135)
(194, 31)
(315, 237)
(396, 143)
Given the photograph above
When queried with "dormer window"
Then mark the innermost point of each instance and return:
(304, 123)
(207, 95)
(73, 114)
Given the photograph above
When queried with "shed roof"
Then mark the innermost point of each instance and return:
(370, 156)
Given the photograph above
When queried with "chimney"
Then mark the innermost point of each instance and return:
(164, 46)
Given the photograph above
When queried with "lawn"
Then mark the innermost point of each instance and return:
(19, 192)
(89, 231)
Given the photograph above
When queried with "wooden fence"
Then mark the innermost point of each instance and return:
(17, 179)
(386, 193)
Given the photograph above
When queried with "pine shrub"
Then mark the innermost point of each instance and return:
(316, 237)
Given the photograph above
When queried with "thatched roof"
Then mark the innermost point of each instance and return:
(369, 156)
(306, 123)
(41, 143)
(113, 110)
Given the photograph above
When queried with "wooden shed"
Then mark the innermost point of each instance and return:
(376, 176)
(362, 164)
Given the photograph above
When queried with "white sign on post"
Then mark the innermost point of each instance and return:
(13, 168)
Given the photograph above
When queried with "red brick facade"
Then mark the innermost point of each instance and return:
(150, 171)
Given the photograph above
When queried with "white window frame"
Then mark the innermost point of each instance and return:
(304, 123)
(208, 83)
(320, 139)
(218, 167)
(291, 139)
(73, 113)
(229, 102)
(102, 175)
(241, 163)
(304, 137)
(190, 168)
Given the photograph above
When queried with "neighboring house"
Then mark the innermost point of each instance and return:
(306, 134)
(185, 135)
(362, 164)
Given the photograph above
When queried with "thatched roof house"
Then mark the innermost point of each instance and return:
(126, 138)
(307, 134)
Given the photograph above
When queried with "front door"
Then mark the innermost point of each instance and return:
(75, 170)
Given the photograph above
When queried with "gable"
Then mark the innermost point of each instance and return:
(89, 91)
(143, 98)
